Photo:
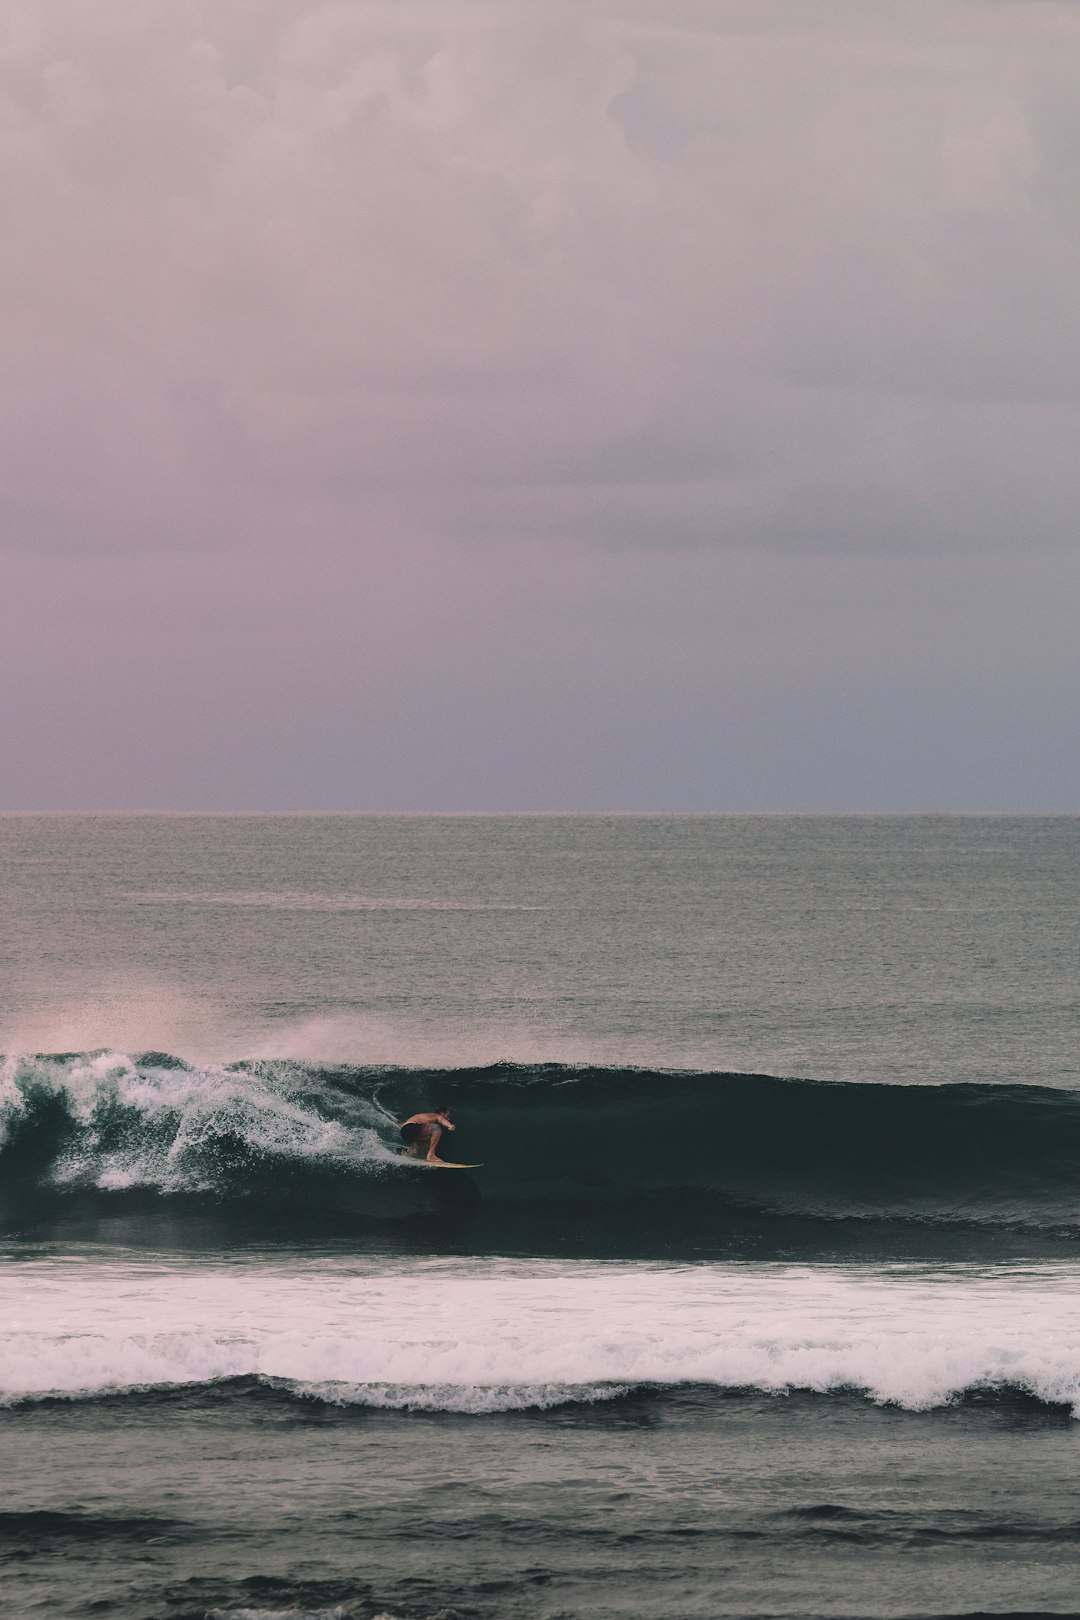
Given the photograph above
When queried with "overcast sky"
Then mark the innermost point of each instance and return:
(610, 404)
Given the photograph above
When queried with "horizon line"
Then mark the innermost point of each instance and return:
(566, 814)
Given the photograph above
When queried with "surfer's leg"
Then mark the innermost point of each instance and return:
(433, 1142)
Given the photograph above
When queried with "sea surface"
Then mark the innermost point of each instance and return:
(764, 1299)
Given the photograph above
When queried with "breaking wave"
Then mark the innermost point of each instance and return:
(572, 1156)
(497, 1336)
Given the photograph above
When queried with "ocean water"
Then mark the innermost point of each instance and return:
(764, 1299)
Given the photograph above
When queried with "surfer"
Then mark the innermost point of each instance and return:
(427, 1128)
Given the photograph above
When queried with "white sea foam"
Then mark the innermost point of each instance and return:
(498, 1336)
(283, 1614)
(173, 1113)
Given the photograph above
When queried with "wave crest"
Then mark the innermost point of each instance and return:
(112, 1121)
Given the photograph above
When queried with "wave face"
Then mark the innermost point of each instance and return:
(588, 1160)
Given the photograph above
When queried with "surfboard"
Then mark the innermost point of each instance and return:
(444, 1164)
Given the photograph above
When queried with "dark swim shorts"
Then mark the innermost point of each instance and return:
(413, 1133)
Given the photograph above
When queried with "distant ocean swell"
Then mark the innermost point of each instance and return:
(554, 1142)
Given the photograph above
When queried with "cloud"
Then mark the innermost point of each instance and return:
(480, 264)
(487, 402)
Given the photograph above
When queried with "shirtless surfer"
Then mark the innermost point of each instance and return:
(419, 1128)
